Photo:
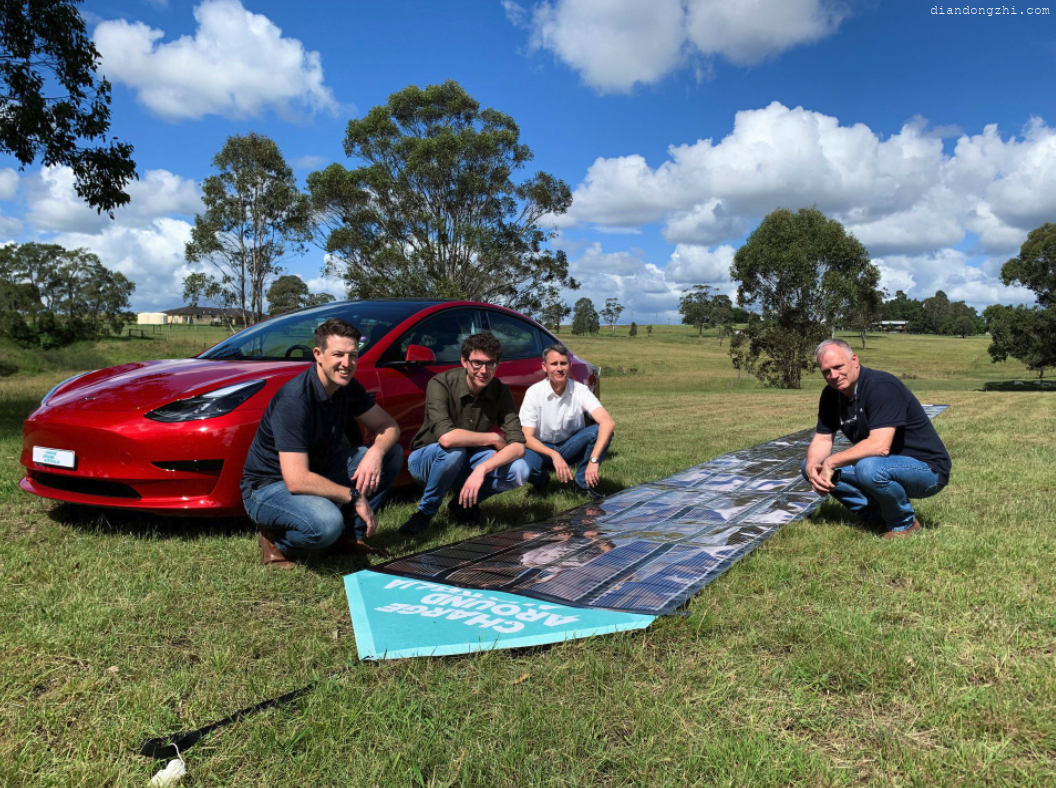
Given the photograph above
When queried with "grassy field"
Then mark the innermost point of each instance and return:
(829, 657)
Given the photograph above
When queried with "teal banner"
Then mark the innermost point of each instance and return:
(395, 617)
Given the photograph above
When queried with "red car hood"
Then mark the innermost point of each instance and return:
(151, 384)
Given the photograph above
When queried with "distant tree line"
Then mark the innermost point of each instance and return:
(51, 296)
(935, 315)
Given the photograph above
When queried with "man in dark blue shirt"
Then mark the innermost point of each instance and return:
(895, 453)
(307, 465)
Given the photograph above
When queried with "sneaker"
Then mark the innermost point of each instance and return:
(417, 523)
(908, 532)
(591, 493)
(461, 514)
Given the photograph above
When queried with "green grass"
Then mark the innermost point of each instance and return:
(828, 657)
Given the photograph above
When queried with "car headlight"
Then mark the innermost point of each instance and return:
(57, 386)
(207, 406)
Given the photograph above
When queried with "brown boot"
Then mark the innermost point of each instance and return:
(270, 555)
(913, 530)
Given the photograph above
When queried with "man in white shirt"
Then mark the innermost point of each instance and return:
(553, 418)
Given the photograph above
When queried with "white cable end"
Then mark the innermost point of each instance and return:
(170, 775)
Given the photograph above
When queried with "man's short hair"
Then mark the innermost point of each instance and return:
(335, 327)
(821, 348)
(484, 342)
(558, 348)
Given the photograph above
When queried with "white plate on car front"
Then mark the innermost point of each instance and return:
(58, 457)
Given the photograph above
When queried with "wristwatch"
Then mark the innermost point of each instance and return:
(595, 460)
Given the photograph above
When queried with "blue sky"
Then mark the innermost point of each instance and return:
(678, 123)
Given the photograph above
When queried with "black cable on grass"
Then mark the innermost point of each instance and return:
(170, 746)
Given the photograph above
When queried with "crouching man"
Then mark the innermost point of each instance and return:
(308, 476)
(455, 449)
(553, 417)
(896, 453)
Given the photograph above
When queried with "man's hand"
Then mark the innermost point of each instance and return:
(497, 442)
(368, 474)
(592, 474)
(471, 489)
(561, 469)
(820, 478)
(366, 514)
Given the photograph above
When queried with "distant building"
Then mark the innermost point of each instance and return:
(191, 316)
(898, 326)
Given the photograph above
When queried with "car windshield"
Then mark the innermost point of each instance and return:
(291, 337)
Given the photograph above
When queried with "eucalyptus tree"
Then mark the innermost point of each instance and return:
(585, 318)
(797, 270)
(52, 103)
(254, 216)
(433, 210)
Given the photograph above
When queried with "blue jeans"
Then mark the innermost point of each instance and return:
(880, 487)
(302, 523)
(439, 470)
(576, 451)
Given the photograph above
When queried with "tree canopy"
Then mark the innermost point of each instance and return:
(434, 212)
(553, 313)
(797, 269)
(1035, 265)
(585, 318)
(51, 296)
(289, 292)
(254, 215)
(1022, 332)
(611, 312)
(696, 306)
(51, 102)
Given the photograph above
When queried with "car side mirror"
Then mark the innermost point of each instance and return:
(417, 354)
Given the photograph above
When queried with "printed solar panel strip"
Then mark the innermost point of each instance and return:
(572, 586)
(654, 585)
(645, 513)
(646, 549)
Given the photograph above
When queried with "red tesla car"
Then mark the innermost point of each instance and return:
(171, 436)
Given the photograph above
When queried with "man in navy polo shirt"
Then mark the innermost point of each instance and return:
(307, 466)
(895, 455)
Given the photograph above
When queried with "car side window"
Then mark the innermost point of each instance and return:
(519, 339)
(442, 333)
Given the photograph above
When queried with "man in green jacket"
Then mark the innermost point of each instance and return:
(456, 447)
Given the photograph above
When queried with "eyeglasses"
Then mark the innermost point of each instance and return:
(476, 365)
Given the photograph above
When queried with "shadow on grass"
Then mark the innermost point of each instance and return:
(832, 513)
(1020, 385)
(501, 513)
(142, 525)
(13, 411)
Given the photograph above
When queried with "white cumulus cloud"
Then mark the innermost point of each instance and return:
(236, 64)
(8, 183)
(616, 44)
(904, 195)
(648, 291)
(53, 205)
(749, 31)
(693, 265)
(151, 256)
